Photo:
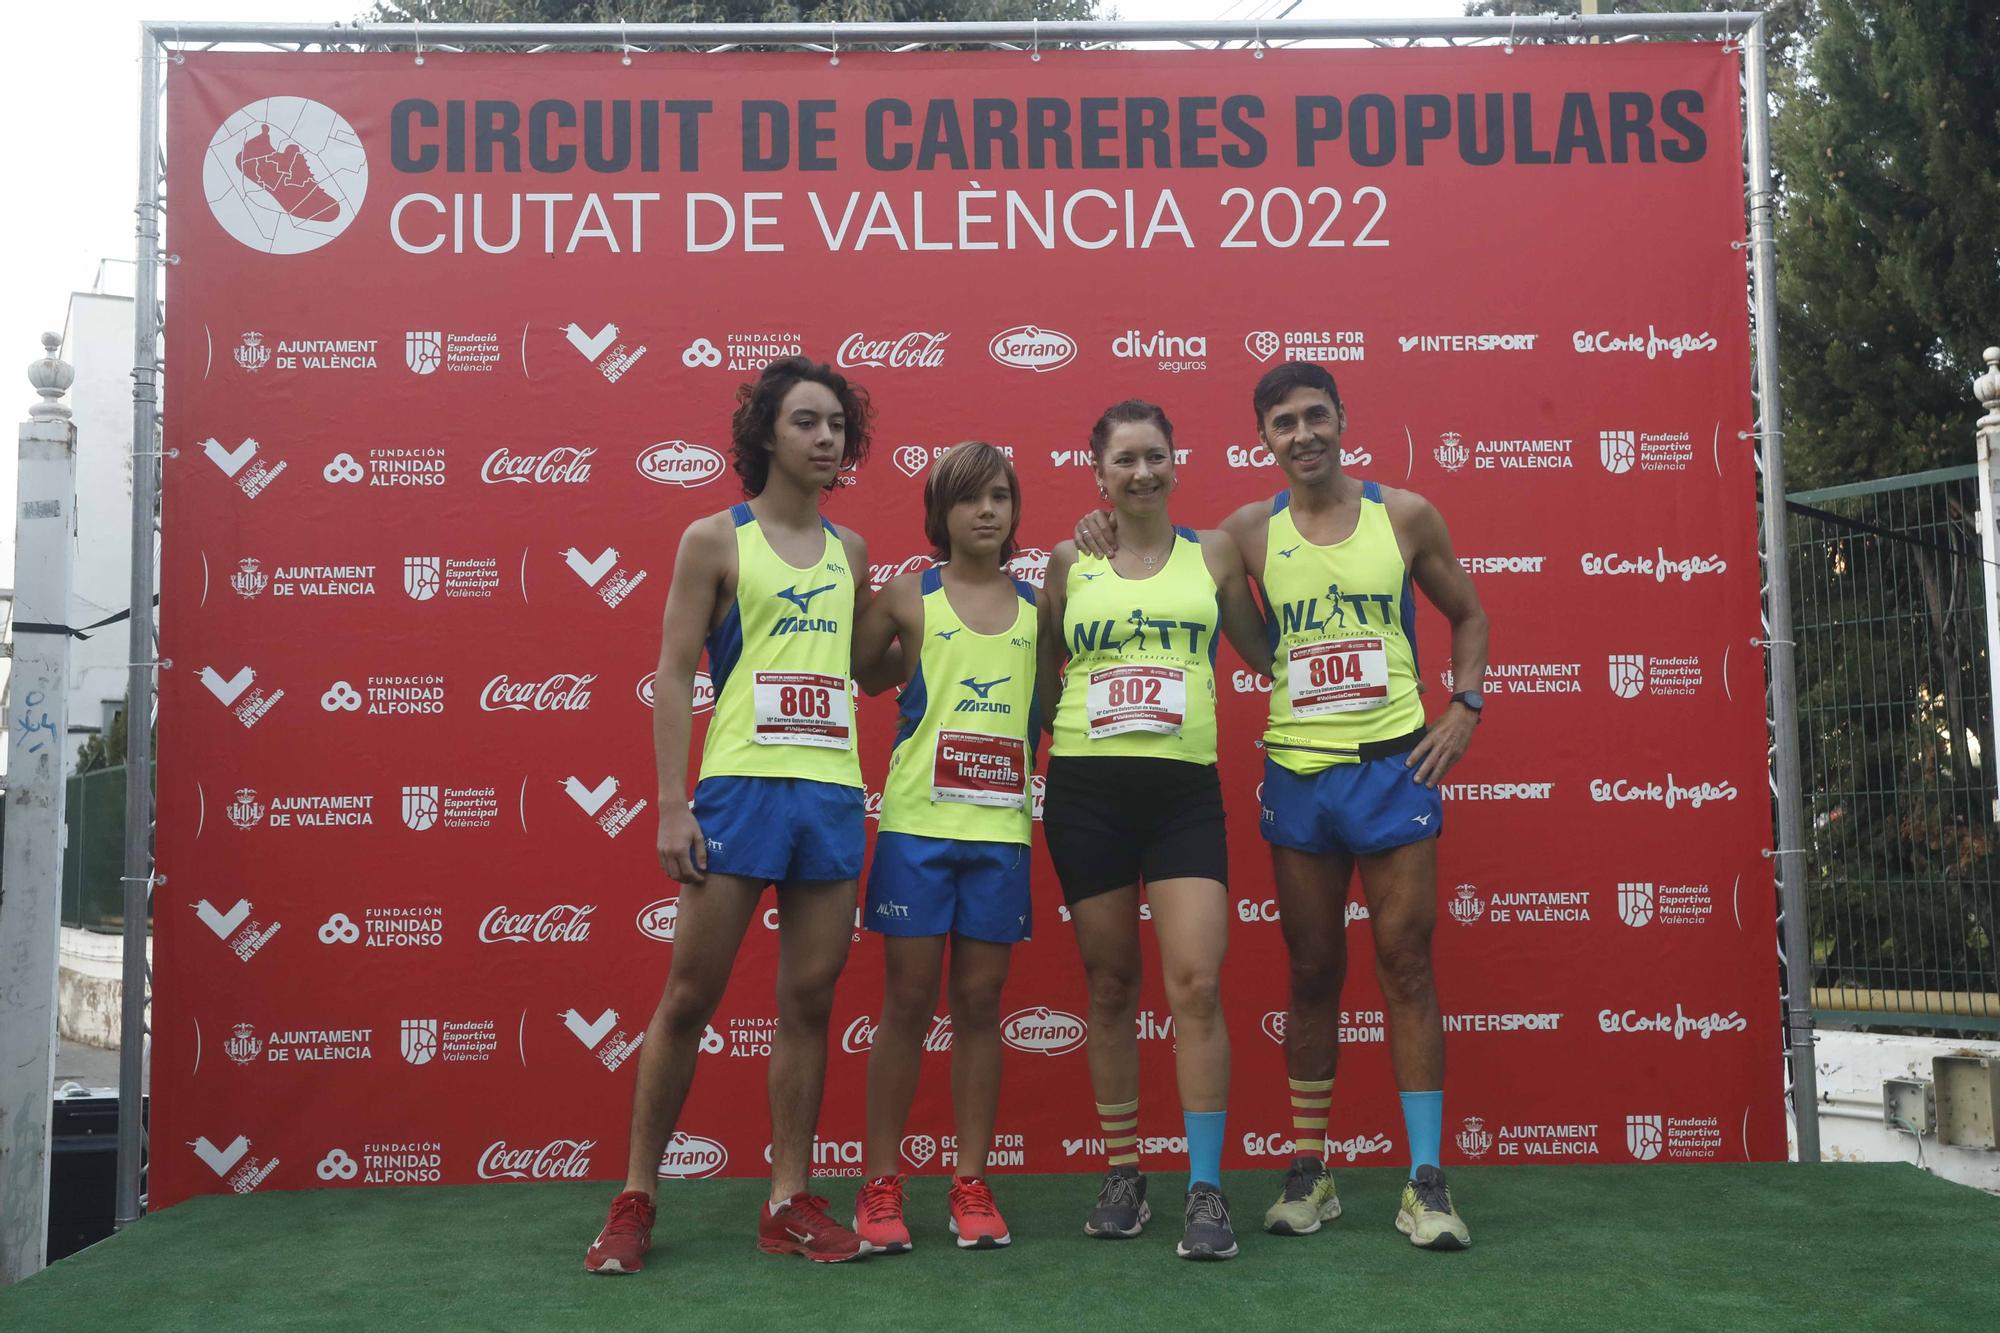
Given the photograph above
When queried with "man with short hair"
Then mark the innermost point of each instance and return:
(772, 590)
(1351, 773)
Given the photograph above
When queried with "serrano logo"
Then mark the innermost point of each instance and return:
(678, 463)
(285, 175)
(1044, 1031)
(656, 920)
(560, 1159)
(691, 1157)
(1028, 347)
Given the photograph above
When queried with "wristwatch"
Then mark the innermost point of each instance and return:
(1472, 699)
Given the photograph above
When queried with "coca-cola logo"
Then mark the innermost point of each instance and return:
(564, 923)
(1030, 347)
(1043, 1031)
(879, 575)
(566, 464)
(561, 1159)
(656, 920)
(692, 1157)
(912, 351)
(678, 463)
(564, 692)
(860, 1034)
(1030, 565)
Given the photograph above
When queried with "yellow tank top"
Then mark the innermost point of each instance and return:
(965, 747)
(1343, 639)
(1141, 673)
(779, 661)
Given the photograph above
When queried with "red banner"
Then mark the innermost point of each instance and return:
(451, 357)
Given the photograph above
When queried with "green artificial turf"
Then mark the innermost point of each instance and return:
(1597, 1247)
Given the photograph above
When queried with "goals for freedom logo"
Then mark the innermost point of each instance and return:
(285, 175)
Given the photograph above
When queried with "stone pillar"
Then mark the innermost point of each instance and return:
(31, 878)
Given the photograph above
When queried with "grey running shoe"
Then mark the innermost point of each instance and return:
(1308, 1200)
(1121, 1210)
(1427, 1216)
(1208, 1234)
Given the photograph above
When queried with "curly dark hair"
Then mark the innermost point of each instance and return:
(754, 425)
(1130, 411)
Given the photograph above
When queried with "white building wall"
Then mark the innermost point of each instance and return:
(99, 345)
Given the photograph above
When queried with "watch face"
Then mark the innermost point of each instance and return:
(1473, 699)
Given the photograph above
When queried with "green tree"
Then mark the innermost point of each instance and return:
(1888, 235)
(729, 11)
(106, 749)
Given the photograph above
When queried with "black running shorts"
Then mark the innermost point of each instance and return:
(1116, 820)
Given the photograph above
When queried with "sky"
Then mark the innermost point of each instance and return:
(71, 75)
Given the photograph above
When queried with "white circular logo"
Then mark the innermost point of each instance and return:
(285, 175)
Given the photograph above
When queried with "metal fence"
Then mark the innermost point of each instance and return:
(93, 892)
(1896, 728)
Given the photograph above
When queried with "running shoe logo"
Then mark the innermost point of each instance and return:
(982, 704)
(1287, 551)
(982, 690)
(805, 621)
(947, 634)
(1088, 577)
(803, 600)
(1425, 820)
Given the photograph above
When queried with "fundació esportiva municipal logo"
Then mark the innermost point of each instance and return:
(285, 175)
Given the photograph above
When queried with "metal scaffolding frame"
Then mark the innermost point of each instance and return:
(163, 42)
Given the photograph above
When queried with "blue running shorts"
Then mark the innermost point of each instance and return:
(1364, 808)
(778, 830)
(940, 886)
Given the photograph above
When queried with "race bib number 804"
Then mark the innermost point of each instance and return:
(802, 708)
(1344, 676)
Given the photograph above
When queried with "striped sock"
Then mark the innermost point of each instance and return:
(1120, 1124)
(1312, 1100)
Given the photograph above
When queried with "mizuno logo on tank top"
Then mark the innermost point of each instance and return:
(983, 704)
(805, 622)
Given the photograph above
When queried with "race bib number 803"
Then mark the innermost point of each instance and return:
(802, 708)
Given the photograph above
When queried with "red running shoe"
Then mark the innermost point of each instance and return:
(628, 1233)
(878, 1216)
(801, 1226)
(974, 1220)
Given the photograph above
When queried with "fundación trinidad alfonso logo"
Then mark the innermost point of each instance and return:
(285, 175)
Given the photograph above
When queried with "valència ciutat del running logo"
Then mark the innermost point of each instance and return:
(285, 175)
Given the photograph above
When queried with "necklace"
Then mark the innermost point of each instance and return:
(1152, 561)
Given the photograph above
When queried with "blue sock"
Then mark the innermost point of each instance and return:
(1204, 1138)
(1423, 1118)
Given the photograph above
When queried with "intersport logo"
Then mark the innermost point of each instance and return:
(1030, 347)
(1044, 1031)
(564, 692)
(564, 465)
(692, 1157)
(917, 350)
(679, 463)
(559, 1159)
(564, 923)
